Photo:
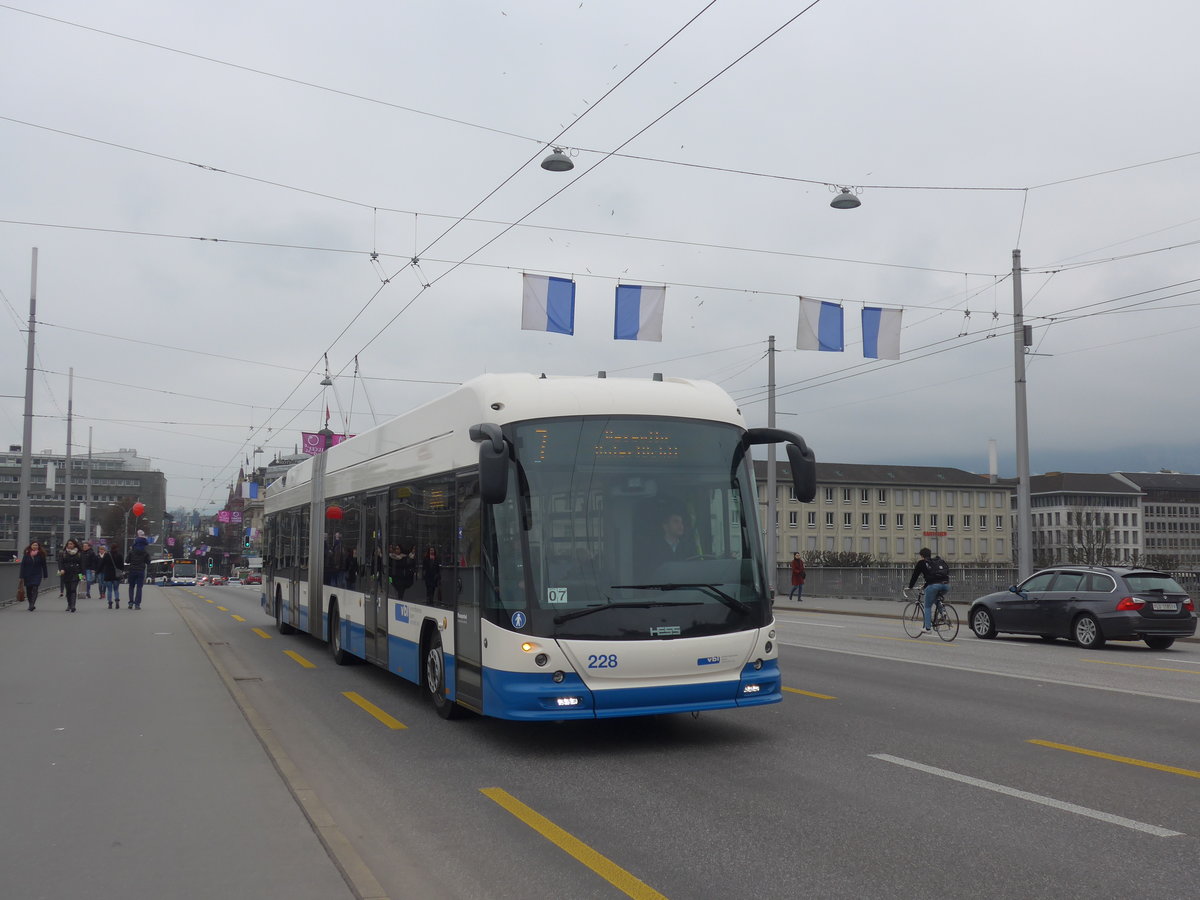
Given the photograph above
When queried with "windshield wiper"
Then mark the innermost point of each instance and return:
(711, 589)
(636, 604)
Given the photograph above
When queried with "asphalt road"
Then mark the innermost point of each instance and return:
(894, 768)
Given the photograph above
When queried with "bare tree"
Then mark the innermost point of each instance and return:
(1089, 536)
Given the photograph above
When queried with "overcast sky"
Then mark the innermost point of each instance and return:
(207, 185)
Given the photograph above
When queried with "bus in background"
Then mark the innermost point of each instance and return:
(541, 549)
(159, 571)
(183, 571)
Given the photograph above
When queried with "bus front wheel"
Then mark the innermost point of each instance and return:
(281, 625)
(435, 679)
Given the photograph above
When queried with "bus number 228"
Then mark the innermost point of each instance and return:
(602, 661)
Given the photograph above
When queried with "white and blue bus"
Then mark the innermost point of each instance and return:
(508, 548)
(183, 571)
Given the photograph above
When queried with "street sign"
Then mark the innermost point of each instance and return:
(933, 534)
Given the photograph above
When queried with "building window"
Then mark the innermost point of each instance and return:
(883, 520)
(864, 545)
(1000, 523)
(866, 520)
(793, 518)
(949, 521)
(966, 521)
(792, 494)
(899, 546)
(812, 520)
(999, 547)
(966, 546)
(933, 521)
(933, 499)
(828, 520)
(864, 496)
(845, 495)
(828, 495)
(882, 495)
(916, 498)
(829, 544)
(846, 520)
(899, 520)
(917, 520)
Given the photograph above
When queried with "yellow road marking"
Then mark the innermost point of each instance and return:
(223, 608)
(1175, 770)
(882, 637)
(206, 600)
(601, 865)
(374, 710)
(262, 634)
(300, 659)
(1106, 662)
(809, 694)
(238, 618)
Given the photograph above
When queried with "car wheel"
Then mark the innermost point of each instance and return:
(435, 679)
(982, 622)
(339, 653)
(1086, 632)
(1159, 643)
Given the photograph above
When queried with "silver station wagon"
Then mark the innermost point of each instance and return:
(1090, 605)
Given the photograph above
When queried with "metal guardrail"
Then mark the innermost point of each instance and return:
(884, 582)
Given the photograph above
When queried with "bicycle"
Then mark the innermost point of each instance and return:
(944, 616)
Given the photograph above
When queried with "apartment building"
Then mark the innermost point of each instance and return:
(1170, 506)
(890, 512)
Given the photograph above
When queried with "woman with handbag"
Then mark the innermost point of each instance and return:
(33, 571)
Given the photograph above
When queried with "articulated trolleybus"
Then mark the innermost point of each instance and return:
(541, 549)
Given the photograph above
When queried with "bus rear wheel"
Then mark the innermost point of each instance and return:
(336, 650)
(281, 625)
(435, 679)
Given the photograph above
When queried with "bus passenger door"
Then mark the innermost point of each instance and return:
(467, 585)
(373, 579)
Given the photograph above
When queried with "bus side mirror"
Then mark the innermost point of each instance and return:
(802, 460)
(493, 462)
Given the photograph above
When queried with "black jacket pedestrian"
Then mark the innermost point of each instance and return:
(107, 566)
(71, 565)
(34, 568)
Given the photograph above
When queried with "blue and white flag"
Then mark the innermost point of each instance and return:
(639, 312)
(548, 304)
(249, 490)
(881, 332)
(820, 326)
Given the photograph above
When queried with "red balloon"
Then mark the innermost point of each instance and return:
(333, 512)
(138, 508)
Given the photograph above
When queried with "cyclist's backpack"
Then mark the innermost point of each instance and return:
(938, 570)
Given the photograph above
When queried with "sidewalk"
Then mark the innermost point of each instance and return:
(130, 771)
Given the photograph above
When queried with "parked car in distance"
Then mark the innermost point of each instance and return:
(252, 579)
(218, 579)
(202, 579)
(1090, 605)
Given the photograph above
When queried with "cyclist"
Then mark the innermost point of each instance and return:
(937, 582)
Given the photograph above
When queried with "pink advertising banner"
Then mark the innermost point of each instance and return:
(311, 443)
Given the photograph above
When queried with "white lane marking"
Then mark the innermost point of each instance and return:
(1176, 659)
(808, 622)
(937, 665)
(1032, 798)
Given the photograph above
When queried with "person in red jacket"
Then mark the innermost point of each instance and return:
(797, 578)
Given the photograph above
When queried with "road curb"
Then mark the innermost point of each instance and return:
(353, 869)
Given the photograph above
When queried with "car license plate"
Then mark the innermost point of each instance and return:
(1166, 607)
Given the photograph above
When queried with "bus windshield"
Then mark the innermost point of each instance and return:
(184, 569)
(628, 529)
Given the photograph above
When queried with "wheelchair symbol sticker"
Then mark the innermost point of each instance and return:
(518, 619)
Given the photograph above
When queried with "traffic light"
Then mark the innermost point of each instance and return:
(246, 543)
(210, 562)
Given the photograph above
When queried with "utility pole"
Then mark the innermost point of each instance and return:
(772, 531)
(67, 474)
(1024, 512)
(87, 503)
(23, 513)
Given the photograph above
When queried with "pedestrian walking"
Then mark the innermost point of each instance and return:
(797, 578)
(135, 568)
(90, 561)
(118, 559)
(33, 571)
(108, 576)
(70, 571)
